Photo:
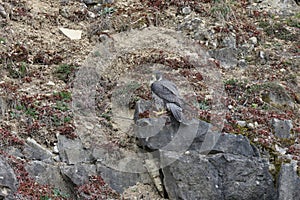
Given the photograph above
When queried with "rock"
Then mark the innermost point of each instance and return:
(297, 97)
(48, 174)
(230, 169)
(55, 149)
(251, 126)
(242, 63)
(281, 7)
(281, 128)
(64, 2)
(263, 57)
(253, 40)
(234, 144)
(72, 34)
(35, 151)
(141, 106)
(79, 173)
(153, 134)
(186, 10)
(72, 151)
(217, 176)
(277, 96)
(163, 132)
(3, 12)
(91, 2)
(14, 152)
(241, 123)
(191, 177)
(50, 83)
(8, 180)
(227, 56)
(281, 150)
(288, 182)
(229, 41)
(91, 14)
(120, 180)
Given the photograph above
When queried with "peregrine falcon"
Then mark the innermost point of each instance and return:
(167, 96)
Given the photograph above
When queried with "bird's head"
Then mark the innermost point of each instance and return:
(156, 76)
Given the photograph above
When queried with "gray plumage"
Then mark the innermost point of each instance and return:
(168, 96)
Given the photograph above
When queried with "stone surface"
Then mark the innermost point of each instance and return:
(227, 56)
(79, 173)
(186, 10)
(234, 144)
(48, 174)
(72, 34)
(282, 128)
(120, 180)
(72, 151)
(8, 180)
(35, 151)
(218, 176)
(288, 182)
(198, 163)
(192, 177)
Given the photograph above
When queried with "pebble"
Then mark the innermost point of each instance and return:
(241, 123)
(50, 83)
(186, 10)
(282, 70)
(2, 12)
(250, 125)
(230, 107)
(281, 150)
(262, 55)
(72, 34)
(91, 14)
(55, 149)
(242, 63)
(253, 40)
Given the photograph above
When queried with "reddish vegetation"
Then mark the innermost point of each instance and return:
(96, 188)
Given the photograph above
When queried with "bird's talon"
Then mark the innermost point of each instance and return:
(160, 112)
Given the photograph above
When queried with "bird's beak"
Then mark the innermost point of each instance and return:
(153, 79)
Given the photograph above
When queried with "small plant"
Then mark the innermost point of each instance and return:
(17, 71)
(107, 11)
(2, 41)
(64, 72)
(30, 111)
(63, 95)
(7, 139)
(230, 82)
(62, 106)
(203, 105)
(96, 188)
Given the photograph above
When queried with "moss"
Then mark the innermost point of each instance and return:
(293, 23)
(278, 161)
(19, 71)
(278, 30)
(64, 72)
(286, 142)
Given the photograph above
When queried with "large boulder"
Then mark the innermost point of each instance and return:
(288, 182)
(48, 174)
(198, 163)
(234, 170)
(8, 180)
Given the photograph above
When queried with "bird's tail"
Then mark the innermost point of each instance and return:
(176, 111)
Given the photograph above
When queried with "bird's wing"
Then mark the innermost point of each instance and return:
(176, 111)
(170, 86)
(165, 93)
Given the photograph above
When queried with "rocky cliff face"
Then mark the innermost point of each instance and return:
(76, 116)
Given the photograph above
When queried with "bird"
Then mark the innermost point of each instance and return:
(166, 96)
